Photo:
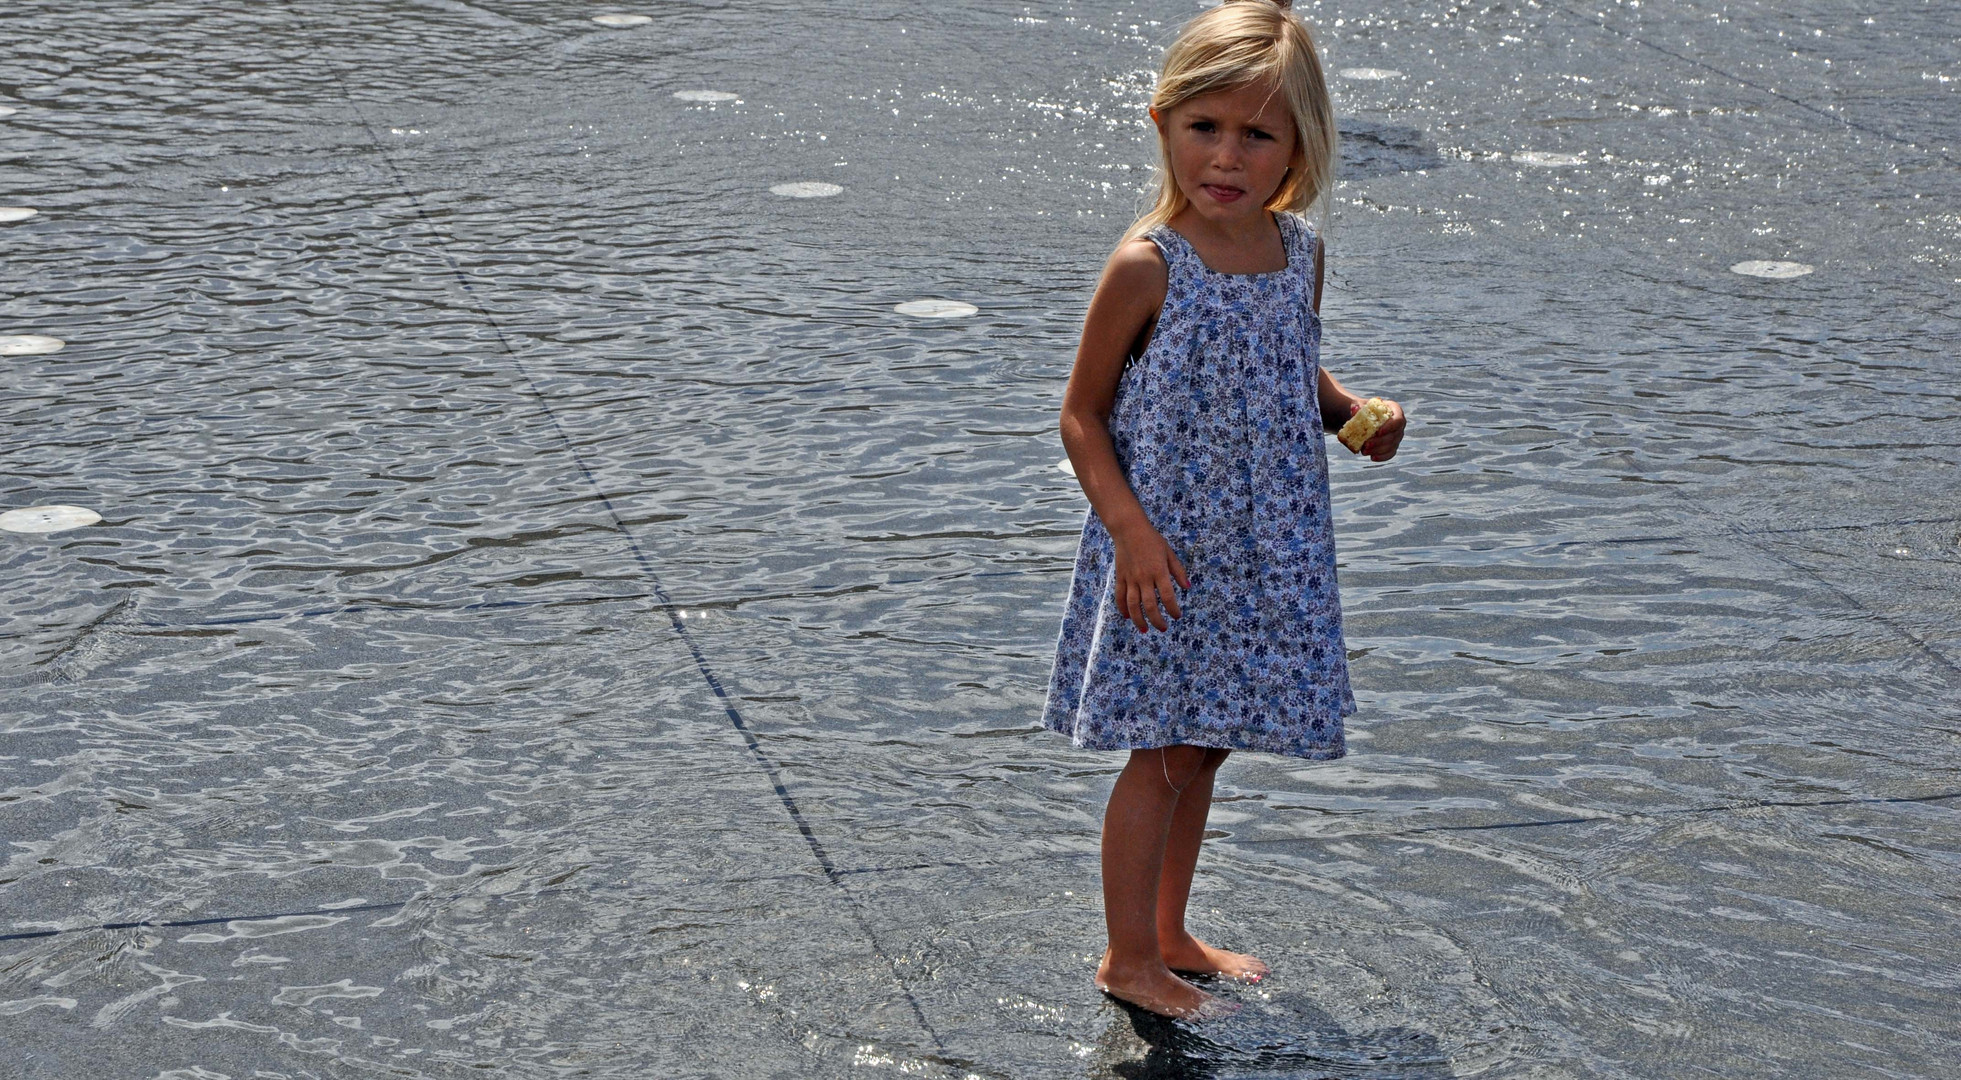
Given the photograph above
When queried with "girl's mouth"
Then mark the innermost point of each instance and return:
(1221, 193)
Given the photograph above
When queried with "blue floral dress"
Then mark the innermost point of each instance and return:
(1218, 428)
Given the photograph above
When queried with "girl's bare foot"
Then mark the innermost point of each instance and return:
(1155, 988)
(1199, 958)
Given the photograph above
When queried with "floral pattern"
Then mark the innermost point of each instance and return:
(1218, 428)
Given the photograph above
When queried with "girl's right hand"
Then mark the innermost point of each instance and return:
(1146, 569)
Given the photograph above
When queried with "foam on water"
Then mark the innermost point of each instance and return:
(29, 344)
(17, 213)
(806, 189)
(703, 95)
(1547, 159)
(47, 519)
(622, 20)
(1771, 268)
(935, 309)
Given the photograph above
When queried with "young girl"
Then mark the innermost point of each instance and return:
(1195, 419)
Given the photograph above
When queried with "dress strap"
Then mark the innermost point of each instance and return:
(1178, 252)
(1303, 246)
(1303, 249)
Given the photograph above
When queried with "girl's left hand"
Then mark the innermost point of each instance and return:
(1382, 445)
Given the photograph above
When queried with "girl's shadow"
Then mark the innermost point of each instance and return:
(1281, 1035)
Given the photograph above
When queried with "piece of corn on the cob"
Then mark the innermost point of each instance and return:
(1375, 412)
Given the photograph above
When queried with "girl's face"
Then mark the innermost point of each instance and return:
(1230, 150)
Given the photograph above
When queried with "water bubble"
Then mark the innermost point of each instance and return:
(29, 344)
(1066, 466)
(1369, 74)
(806, 189)
(1547, 159)
(1770, 268)
(1902, 551)
(16, 213)
(47, 519)
(622, 20)
(936, 309)
(703, 95)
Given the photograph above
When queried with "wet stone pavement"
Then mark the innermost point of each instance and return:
(551, 615)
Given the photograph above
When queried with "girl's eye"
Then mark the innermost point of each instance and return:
(1258, 134)
(1201, 125)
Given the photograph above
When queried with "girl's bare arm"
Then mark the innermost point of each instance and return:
(1127, 301)
(1338, 404)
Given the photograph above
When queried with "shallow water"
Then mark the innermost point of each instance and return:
(552, 614)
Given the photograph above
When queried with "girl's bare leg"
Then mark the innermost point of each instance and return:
(1135, 829)
(1182, 951)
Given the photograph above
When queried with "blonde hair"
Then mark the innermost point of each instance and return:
(1239, 43)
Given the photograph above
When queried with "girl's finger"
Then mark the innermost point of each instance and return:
(1155, 598)
(1170, 598)
(1123, 605)
(1178, 571)
(1137, 609)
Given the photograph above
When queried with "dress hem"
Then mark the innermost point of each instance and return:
(1329, 751)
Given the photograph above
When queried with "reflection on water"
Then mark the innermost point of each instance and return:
(558, 609)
